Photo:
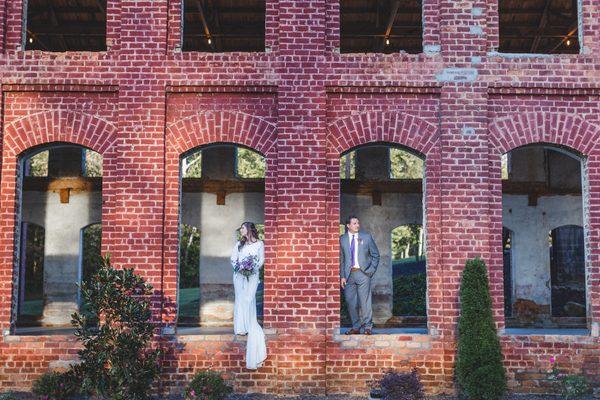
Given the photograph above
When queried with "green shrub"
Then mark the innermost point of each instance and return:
(479, 371)
(207, 385)
(8, 396)
(410, 295)
(55, 386)
(117, 361)
(574, 386)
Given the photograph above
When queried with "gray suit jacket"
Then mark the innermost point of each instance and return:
(368, 254)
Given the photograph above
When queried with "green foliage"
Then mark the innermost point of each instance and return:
(569, 386)
(406, 241)
(250, 164)
(38, 164)
(207, 385)
(56, 386)
(189, 257)
(8, 396)
(34, 262)
(479, 371)
(574, 386)
(409, 295)
(191, 166)
(405, 165)
(348, 166)
(91, 250)
(117, 362)
(93, 163)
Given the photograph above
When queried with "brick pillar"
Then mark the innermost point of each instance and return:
(464, 160)
(138, 225)
(301, 180)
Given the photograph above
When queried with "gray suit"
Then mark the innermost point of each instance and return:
(358, 283)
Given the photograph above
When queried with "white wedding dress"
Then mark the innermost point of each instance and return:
(244, 311)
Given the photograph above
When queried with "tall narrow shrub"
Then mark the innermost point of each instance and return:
(479, 371)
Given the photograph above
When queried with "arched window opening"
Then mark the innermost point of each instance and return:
(383, 186)
(222, 187)
(544, 266)
(61, 198)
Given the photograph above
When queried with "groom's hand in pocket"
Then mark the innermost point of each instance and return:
(343, 283)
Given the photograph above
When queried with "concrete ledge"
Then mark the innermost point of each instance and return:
(545, 332)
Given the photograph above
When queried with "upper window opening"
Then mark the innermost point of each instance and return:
(381, 26)
(539, 26)
(59, 25)
(224, 25)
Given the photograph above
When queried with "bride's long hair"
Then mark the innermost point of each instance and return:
(252, 232)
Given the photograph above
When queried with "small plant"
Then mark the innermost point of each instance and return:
(8, 396)
(117, 362)
(207, 385)
(570, 386)
(479, 370)
(54, 386)
(398, 386)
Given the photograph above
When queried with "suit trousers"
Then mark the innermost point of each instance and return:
(358, 298)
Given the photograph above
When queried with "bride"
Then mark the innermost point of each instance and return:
(247, 257)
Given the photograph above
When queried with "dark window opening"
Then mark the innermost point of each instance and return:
(222, 186)
(544, 266)
(60, 203)
(383, 186)
(567, 271)
(58, 25)
(382, 26)
(224, 25)
(539, 26)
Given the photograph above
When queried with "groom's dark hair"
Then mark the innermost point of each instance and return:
(348, 220)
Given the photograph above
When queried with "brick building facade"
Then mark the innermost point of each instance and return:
(301, 103)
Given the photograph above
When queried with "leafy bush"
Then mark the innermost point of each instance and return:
(8, 396)
(479, 370)
(570, 386)
(398, 386)
(410, 295)
(55, 386)
(207, 385)
(117, 362)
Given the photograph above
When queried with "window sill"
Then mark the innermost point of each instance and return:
(544, 332)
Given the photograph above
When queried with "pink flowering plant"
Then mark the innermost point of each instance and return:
(207, 385)
(570, 386)
(247, 266)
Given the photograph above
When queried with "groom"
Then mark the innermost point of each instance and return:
(359, 258)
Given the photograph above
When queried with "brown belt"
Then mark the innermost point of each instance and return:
(353, 269)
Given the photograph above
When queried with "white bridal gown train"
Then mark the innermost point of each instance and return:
(244, 311)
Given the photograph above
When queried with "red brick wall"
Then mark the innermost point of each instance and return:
(143, 102)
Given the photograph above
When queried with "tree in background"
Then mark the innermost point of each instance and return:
(405, 165)
(250, 164)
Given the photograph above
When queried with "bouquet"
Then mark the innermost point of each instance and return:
(247, 266)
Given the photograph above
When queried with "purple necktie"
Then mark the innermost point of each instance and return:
(352, 247)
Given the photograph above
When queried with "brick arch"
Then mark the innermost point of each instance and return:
(59, 126)
(541, 127)
(394, 127)
(221, 127)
